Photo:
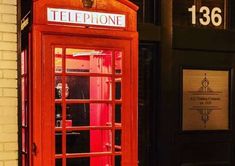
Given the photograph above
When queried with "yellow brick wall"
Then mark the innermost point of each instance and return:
(8, 84)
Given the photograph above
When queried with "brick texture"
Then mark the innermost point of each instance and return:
(8, 83)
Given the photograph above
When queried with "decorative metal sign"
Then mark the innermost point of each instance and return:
(85, 17)
(200, 13)
(88, 3)
(25, 21)
(205, 100)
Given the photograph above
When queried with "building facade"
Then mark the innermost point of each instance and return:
(186, 49)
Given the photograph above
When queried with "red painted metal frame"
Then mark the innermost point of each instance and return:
(44, 38)
(25, 108)
(27, 76)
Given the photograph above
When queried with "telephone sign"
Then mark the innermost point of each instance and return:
(200, 13)
(85, 17)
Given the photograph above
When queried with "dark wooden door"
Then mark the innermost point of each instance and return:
(148, 93)
(178, 145)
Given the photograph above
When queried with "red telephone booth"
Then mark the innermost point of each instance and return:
(83, 76)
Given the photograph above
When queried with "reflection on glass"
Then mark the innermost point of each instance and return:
(118, 89)
(118, 160)
(58, 116)
(118, 62)
(88, 60)
(58, 87)
(118, 135)
(58, 162)
(88, 141)
(58, 60)
(89, 87)
(118, 114)
(58, 142)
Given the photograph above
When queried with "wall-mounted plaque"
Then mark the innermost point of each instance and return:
(200, 13)
(205, 100)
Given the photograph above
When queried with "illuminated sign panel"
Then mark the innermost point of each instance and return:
(85, 18)
(200, 13)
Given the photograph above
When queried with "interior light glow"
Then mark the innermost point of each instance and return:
(86, 53)
(90, 53)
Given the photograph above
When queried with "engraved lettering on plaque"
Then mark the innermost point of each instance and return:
(205, 99)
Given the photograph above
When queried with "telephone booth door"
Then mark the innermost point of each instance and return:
(86, 109)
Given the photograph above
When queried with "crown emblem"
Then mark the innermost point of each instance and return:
(87, 3)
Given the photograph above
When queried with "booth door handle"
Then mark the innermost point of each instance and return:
(34, 149)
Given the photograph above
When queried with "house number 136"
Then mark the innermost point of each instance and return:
(213, 16)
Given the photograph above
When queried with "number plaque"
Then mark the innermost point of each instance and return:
(200, 13)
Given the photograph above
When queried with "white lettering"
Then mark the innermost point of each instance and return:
(85, 17)
(103, 19)
(207, 16)
(63, 16)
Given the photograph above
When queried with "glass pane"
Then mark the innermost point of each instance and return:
(23, 140)
(26, 116)
(23, 160)
(78, 142)
(58, 162)
(101, 161)
(118, 136)
(23, 101)
(58, 87)
(78, 162)
(118, 89)
(101, 140)
(118, 160)
(118, 62)
(88, 60)
(90, 114)
(100, 115)
(89, 87)
(89, 141)
(58, 142)
(23, 53)
(118, 114)
(58, 60)
(79, 114)
(92, 161)
(58, 115)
